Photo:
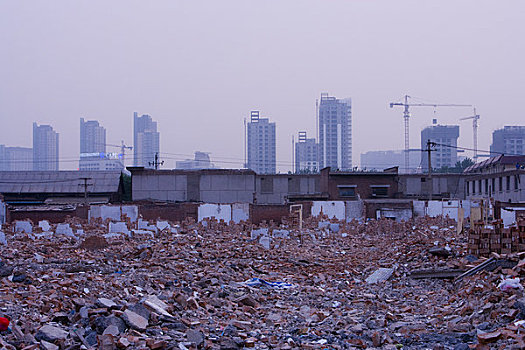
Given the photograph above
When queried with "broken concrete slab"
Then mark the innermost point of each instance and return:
(135, 320)
(119, 227)
(44, 225)
(259, 232)
(157, 305)
(23, 226)
(143, 233)
(64, 229)
(163, 225)
(334, 228)
(131, 211)
(106, 303)
(380, 275)
(144, 225)
(51, 333)
(265, 242)
(323, 224)
(281, 234)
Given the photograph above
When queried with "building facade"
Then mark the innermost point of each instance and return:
(510, 140)
(501, 177)
(200, 161)
(445, 153)
(92, 137)
(261, 150)
(92, 146)
(146, 140)
(335, 133)
(45, 148)
(306, 154)
(379, 160)
(100, 161)
(16, 158)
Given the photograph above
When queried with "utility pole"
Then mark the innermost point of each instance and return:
(85, 185)
(429, 177)
(156, 162)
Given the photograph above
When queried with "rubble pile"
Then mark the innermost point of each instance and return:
(212, 285)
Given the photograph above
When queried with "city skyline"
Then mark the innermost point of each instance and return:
(14, 157)
(54, 71)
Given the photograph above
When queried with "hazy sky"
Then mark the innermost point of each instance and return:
(199, 67)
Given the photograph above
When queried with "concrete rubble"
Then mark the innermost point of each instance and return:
(334, 285)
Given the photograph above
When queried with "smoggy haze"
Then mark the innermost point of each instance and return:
(199, 67)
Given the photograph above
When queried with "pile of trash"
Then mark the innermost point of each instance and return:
(212, 285)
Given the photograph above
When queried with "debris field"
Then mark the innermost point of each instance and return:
(210, 285)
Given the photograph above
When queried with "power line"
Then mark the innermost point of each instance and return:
(471, 149)
(39, 181)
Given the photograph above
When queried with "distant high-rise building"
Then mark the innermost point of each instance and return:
(45, 148)
(201, 161)
(306, 154)
(19, 158)
(261, 145)
(92, 137)
(510, 141)
(445, 153)
(380, 160)
(3, 161)
(146, 140)
(335, 133)
(16, 158)
(93, 148)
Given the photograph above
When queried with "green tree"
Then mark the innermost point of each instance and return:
(458, 168)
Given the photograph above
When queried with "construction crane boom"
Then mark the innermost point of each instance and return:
(122, 147)
(406, 117)
(475, 119)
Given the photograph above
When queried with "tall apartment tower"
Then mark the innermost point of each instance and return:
(261, 144)
(92, 137)
(45, 148)
(306, 154)
(16, 158)
(335, 132)
(445, 153)
(146, 140)
(509, 140)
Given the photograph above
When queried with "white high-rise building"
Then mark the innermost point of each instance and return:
(45, 148)
(335, 133)
(261, 145)
(306, 154)
(146, 140)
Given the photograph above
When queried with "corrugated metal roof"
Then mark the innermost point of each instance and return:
(58, 181)
(500, 159)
